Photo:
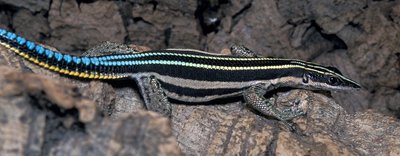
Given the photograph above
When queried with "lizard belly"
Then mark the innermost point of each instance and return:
(199, 95)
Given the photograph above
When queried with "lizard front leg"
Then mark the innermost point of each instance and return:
(242, 51)
(254, 97)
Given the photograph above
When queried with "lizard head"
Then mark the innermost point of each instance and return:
(326, 78)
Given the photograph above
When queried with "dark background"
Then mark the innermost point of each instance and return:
(360, 37)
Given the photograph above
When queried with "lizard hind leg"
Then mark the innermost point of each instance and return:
(242, 51)
(108, 48)
(153, 95)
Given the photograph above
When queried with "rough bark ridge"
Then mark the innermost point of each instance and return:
(48, 114)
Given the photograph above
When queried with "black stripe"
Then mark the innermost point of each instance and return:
(218, 75)
(197, 92)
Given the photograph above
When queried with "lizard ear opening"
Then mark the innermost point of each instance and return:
(305, 78)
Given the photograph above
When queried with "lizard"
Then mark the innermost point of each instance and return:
(190, 76)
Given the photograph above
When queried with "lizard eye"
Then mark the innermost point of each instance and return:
(333, 81)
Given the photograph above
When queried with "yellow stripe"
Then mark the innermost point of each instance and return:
(218, 57)
(243, 58)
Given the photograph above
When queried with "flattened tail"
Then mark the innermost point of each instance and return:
(76, 66)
